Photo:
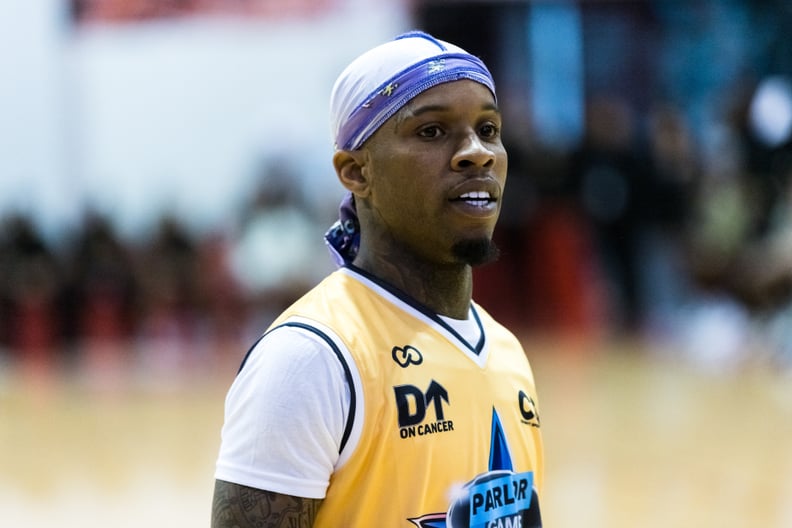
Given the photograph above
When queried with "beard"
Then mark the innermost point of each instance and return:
(476, 252)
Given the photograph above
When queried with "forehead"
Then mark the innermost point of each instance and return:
(456, 95)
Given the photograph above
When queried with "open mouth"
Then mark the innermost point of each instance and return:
(476, 199)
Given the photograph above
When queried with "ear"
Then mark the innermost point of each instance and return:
(350, 166)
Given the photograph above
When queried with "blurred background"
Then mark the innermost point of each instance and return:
(165, 181)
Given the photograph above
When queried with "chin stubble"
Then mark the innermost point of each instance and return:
(476, 252)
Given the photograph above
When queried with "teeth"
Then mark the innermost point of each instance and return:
(476, 195)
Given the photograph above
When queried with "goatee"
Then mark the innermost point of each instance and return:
(476, 252)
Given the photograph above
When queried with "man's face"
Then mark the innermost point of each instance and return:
(437, 170)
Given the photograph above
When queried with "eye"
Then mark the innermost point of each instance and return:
(489, 130)
(430, 132)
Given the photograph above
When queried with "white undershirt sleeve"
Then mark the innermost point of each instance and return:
(285, 415)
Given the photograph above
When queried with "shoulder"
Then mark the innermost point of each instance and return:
(290, 347)
(322, 302)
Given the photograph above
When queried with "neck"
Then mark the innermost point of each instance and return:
(444, 289)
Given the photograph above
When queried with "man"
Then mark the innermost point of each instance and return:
(385, 396)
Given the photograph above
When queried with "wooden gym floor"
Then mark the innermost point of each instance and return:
(633, 439)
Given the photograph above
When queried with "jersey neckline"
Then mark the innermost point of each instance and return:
(386, 289)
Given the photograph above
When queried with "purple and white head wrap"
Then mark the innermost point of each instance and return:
(373, 88)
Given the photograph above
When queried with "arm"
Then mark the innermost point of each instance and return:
(285, 416)
(237, 506)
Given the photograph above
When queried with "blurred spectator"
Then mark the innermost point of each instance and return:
(221, 298)
(762, 269)
(279, 251)
(168, 275)
(29, 287)
(674, 169)
(98, 304)
(609, 178)
(739, 247)
(673, 174)
(740, 244)
(100, 295)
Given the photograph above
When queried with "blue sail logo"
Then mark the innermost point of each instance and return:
(499, 498)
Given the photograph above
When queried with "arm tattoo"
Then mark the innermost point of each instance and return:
(237, 506)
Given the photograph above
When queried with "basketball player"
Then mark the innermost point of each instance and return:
(385, 396)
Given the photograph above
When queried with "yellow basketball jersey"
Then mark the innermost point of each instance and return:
(441, 432)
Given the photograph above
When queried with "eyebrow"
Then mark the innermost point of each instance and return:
(410, 111)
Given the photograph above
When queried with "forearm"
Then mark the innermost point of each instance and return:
(236, 506)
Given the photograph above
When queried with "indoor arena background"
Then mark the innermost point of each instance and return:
(165, 182)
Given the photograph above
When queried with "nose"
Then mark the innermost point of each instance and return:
(473, 152)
